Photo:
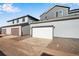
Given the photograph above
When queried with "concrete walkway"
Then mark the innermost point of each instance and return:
(26, 47)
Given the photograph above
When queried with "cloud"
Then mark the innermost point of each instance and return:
(9, 8)
(71, 5)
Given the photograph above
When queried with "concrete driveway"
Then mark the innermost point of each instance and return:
(22, 46)
(27, 46)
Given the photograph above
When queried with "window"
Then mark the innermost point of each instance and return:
(13, 22)
(61, 12)
(17, 20)
(23, 20)
(56, 14)
(46, 18)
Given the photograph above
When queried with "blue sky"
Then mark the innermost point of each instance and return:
(14, 10)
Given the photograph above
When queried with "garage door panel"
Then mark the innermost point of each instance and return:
(43, 32)
(3, 31)
(15, 31)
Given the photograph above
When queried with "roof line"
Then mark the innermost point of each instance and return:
(74, 11)
(22, 17)
(54, 7)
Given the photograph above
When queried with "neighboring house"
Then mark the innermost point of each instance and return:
(58, 21)
(19, 26)
(58, 11)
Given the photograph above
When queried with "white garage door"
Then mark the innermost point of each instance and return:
(43, 32)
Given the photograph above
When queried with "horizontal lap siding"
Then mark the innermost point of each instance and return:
(26, 30)
(67, 28)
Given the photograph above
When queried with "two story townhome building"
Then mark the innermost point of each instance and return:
(18, 26)
(58, 21)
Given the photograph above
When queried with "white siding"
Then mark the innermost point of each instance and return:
(26, 19)
(10, 23)
(68, 28)
(8, 31)
(15, 21)
(20, 20)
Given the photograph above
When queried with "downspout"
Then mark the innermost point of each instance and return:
(53, 32)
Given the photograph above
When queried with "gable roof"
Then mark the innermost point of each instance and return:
(54, 7)
(23, 17)
(61, 6)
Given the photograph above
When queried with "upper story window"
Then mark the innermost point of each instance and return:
(17, 20)
(46, 18)
(56, 14)
(23, 20)
(61, 12)
(13, 22)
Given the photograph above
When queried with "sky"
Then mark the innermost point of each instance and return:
(9, 11)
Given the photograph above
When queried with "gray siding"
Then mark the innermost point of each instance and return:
(43, 16)
(26, 30)
(75, 13)
(52, 13)
(31, 20)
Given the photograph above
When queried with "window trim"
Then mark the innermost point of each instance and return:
(17, 20)
(57, 14)
(13, 21)
(62, 13)
(23, 19)
(46, 18)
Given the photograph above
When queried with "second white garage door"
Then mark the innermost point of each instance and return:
(45, 32)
